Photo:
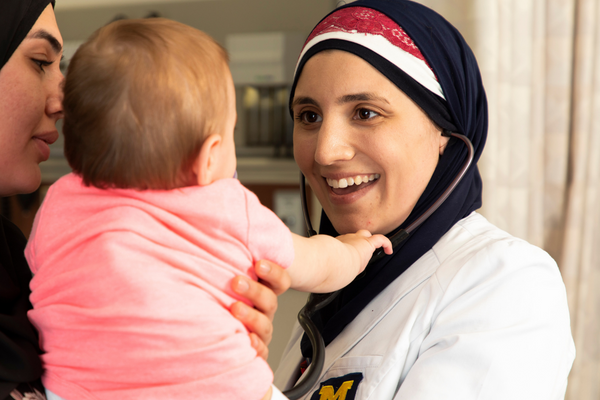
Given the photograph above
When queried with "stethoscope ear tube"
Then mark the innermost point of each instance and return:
(312, 374)
(318, 301)
(315, 302)
(309, 227)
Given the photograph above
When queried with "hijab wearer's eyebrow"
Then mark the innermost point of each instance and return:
(342, 100)
(43, 34)
(360, 97)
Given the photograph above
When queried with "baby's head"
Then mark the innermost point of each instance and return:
(149, 104)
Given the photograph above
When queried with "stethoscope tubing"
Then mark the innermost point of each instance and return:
(317, 301)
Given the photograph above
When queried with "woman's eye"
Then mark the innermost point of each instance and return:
(309, 117)
(364, 114)
(41, 63)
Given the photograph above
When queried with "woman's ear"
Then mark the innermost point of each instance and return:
(443, 143)
(205, 166)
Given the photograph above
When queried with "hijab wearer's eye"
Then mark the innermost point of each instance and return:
(364, 113)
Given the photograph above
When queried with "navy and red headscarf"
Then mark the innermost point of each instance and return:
(428, 59)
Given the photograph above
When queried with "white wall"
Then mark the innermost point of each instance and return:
(216, 17)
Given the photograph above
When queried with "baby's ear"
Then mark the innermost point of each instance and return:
(206, 164)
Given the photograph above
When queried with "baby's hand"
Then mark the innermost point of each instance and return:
(365, 244)
(323, 264)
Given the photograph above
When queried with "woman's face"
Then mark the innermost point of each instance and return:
(352, 125)
(30, 105)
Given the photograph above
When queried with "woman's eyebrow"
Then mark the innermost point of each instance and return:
(43, 34)
(360, 97)
(342, 100)
(304, 100)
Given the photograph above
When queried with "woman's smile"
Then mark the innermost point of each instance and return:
(348, 190)
(351, 181)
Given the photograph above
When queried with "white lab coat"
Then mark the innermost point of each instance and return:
(483, 315)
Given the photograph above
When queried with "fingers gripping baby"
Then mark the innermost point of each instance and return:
(133, 253)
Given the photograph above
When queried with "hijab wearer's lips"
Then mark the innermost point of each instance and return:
(351, 180)
(351, 189)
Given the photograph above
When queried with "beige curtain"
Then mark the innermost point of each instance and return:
(579, 260)
(540, 61)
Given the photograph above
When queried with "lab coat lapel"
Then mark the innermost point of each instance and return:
(289, 367)
(361, 326)
(380, 306)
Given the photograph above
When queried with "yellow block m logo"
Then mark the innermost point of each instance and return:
(340, 388)
(327, 392)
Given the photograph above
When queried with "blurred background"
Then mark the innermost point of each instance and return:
(540, 61)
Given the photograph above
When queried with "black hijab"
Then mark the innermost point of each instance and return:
(464, 110)
(20, 364)
(16, 19)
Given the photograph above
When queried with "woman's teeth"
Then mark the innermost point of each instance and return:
(357, 180)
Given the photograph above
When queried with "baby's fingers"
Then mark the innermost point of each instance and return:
(381, 241)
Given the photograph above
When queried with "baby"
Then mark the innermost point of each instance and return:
(133, 253)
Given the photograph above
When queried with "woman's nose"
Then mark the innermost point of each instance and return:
(54, 107)
(333, 144)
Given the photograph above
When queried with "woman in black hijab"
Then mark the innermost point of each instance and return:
(30, 105)
(461, 310)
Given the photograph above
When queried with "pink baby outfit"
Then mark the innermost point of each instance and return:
(132, 290)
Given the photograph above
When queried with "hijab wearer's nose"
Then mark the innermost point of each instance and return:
(333, 143)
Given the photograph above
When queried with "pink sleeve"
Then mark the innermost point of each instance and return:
(268, 237)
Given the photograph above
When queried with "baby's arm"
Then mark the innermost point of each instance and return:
(324, 264)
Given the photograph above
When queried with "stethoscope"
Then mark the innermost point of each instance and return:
(316, 301)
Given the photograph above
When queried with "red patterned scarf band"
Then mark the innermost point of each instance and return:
(375, 31)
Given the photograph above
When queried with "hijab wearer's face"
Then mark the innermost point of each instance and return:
(350, 121)
(30, 105)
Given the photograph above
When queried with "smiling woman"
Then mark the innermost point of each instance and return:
(461, 310)
(30, 105)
